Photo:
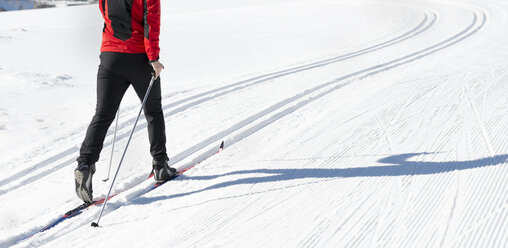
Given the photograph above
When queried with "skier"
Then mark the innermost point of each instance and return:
(129, 56)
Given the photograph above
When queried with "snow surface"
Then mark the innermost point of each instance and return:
(346, 124)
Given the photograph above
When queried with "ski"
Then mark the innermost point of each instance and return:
(81, 208)
(69, 214)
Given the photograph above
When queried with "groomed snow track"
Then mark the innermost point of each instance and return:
(344, 153)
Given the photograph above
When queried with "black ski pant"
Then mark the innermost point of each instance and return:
(117, 71)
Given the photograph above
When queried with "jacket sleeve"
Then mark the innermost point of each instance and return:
(152, 21)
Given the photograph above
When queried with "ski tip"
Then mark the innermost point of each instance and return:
(105, 180)
(94, 224)
(222, 145)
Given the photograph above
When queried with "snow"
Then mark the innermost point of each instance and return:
(346, 124)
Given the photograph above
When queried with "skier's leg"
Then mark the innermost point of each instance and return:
(110, 89)
(154, 116)
(153, 112)
(156, 125)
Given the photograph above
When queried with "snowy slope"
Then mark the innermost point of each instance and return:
(346, 124)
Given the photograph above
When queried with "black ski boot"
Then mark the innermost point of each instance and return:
(162, 172)
(83, 178)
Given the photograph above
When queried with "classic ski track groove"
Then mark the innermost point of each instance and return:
(207, 96)
(148, 185)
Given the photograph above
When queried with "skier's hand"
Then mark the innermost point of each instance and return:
(157, 68)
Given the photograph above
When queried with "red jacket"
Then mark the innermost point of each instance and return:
(131, 26)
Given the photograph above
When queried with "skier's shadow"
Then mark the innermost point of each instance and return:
(398, 165)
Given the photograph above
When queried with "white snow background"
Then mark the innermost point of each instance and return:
(346, 124)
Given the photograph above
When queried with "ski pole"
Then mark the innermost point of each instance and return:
(113, 146)
(96, 224)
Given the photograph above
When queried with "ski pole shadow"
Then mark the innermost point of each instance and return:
(397, 165)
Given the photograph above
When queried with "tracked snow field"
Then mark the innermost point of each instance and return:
(346, 124)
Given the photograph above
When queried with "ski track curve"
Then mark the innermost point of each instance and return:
(207, 96)
(477, 24)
